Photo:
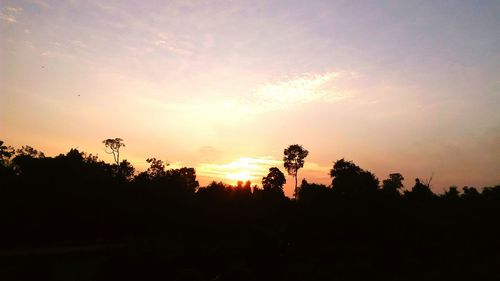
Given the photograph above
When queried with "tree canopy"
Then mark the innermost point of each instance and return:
(293, 160)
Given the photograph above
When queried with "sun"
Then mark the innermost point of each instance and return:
(242, 175)
(242, 169)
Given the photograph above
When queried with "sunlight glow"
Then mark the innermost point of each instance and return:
(244, 169)
(240, 176)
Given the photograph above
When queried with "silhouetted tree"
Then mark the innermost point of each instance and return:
(470, 193)
(393, 184)
(293, 160)
(114, 145)
(349, 179)
(184, 178)
(75, 208)
(6, 152)
(29, 151)
(420, 191)
(451, 194)
(26, 161)
(156, 168)
(242, 190)
(125, 171)
(274, 181)
(312, 192)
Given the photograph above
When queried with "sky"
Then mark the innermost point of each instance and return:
(225, 86)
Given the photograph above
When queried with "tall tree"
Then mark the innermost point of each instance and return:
(114, 146)
(294, 160)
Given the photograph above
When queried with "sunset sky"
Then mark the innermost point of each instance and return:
(224, 86)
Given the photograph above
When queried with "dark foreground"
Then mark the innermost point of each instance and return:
(75, 218)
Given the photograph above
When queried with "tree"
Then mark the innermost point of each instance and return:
(156, 169)
(451, 194)
(29, 151)
(349, 179)
(420, 191)
(6, 152)
(470, 193)
(114, 145)
(393, 184)
(313, 192)
(294, 160)
(274, 181)
(183, 179)
(125, 171)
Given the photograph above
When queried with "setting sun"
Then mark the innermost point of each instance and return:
(239, 176)
(244, 169)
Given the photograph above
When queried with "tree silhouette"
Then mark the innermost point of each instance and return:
(451, 194)
(27, 150)
(274, 181)
(349, 179)
(183, 178)
(6, 152)
(156, 168)
(394, 182)
(312, 192)
(161, 225)
(420, 191)
(294, 160)
(125, 171)
(114, 145)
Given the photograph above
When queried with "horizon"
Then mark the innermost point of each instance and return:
(225, 87)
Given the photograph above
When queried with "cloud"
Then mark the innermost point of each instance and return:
(9, 14)
(174, 45)
(294, 91)
(79, 44)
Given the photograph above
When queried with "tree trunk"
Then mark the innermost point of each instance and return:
(295, 192)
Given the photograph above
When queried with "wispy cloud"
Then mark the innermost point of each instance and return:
(176, 46)
(294, 91)
(9, 14)
(79, 44)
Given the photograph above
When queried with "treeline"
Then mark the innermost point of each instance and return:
(76, 217)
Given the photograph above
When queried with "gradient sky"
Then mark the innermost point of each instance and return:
(224, 86)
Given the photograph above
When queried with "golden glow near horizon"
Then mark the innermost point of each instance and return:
(244, 169)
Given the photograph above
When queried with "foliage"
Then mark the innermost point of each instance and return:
(350, 180)
(274, 181)
(114, 146)
(293, 160)
(73, 216)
